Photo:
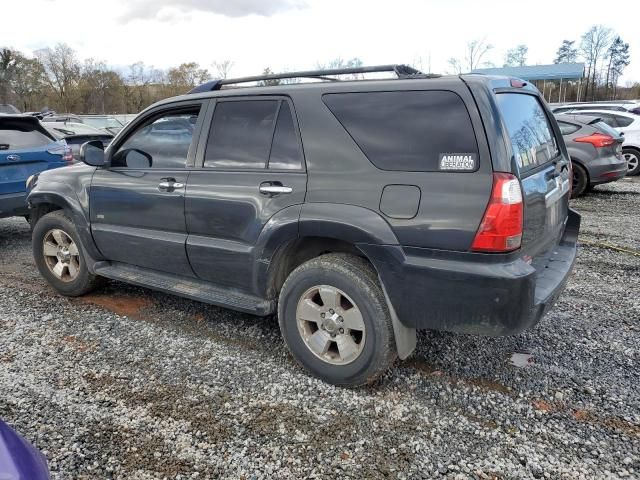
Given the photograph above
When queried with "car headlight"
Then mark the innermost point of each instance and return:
(31, 182)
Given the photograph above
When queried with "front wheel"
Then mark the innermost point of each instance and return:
(335, 321)
(58, 254)
(633, 161)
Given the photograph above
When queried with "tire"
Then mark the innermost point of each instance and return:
(56, 235)
(580, 180)
(367, 341)
(632, 156)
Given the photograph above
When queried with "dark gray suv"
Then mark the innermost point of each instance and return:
(357, 211)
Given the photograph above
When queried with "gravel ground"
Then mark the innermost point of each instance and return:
(130, 383)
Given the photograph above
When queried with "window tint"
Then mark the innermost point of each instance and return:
(241, 134)
(163, 143)
(568, 128)
(285, 151)
(623, 121)
(529, 129)
(15, 139)
(405, 130)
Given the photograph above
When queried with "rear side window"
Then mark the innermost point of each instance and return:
(407, 130)
(529, 129)
(253, 134)
(623, 121)
(568, 128)
(11, 139)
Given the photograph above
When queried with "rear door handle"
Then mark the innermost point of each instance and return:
(274, 189)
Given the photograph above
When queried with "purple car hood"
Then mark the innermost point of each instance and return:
(19, 460)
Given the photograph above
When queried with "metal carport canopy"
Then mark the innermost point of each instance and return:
(555, 71)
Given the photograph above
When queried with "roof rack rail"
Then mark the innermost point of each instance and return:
(402, 71)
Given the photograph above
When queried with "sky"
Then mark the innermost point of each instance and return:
(299, 34)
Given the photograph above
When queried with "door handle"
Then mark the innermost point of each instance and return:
(169, 185)
(273, 189)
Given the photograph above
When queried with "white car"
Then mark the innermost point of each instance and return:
(620, 106)
(627, 123)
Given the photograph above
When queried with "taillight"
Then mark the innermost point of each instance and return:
(501, 227)
(64, 151)
(598, 140)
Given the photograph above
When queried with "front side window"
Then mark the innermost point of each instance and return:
(161, 143)
(529, 130)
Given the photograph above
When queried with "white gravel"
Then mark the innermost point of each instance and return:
(130, 383)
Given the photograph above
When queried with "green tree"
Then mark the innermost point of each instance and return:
(29, 84)
(516, 57)
(567, 53)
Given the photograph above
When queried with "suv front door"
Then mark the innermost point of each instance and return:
(137, 202)
(252, 168)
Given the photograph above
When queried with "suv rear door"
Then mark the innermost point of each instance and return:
(252, 167)
(543, 169)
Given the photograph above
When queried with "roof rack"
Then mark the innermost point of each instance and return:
(402, 71)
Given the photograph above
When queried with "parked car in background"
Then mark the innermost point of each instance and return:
(595, 150)
(106, 123)
(125, 118)
(26, 148)
(629, 125)
(620, 106)
(19, 460)
(357, 210)
(61, 118)
(8, 109)
(75, 134)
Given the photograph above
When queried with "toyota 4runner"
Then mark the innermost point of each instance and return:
(357, 211)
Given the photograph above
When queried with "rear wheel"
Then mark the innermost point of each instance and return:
(580, 180)
(335, 321)
(633, 160)
(59, 257)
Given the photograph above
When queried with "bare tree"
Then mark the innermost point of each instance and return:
(475, 52)
(222, 68)
(62, 71)
(593, 46)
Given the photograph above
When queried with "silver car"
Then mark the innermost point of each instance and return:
(595, 150)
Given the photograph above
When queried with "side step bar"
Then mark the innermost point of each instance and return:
(191, 288)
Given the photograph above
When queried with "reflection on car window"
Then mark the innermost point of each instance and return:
(241, 134)
(531, 135)
(567, 128)
(285, 151)
(163, 143)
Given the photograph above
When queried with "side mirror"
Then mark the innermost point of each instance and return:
(92, 153)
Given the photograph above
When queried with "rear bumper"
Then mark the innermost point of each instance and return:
(13, 204)
(474, 293)
(607, 169)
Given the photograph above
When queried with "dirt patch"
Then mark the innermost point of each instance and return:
(132, 307)
(78, 344)
(613, 423)
(543, 406)
(483, 384)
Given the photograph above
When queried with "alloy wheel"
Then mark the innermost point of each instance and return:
(61, 255)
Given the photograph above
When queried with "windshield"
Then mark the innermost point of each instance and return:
(102, 122)
(529, 130)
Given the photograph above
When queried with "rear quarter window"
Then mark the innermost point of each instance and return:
(567, 128)
(406, 130)
(530, 132)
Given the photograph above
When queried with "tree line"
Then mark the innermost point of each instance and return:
(604, 53)
(56, 79)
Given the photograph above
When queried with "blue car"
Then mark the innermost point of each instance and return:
(26, 148)
(19, 460)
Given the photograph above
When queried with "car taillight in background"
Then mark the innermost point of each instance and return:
(62, 150)
(598, 140)
(501, 226)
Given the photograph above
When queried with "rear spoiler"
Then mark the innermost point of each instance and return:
(24, 123)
